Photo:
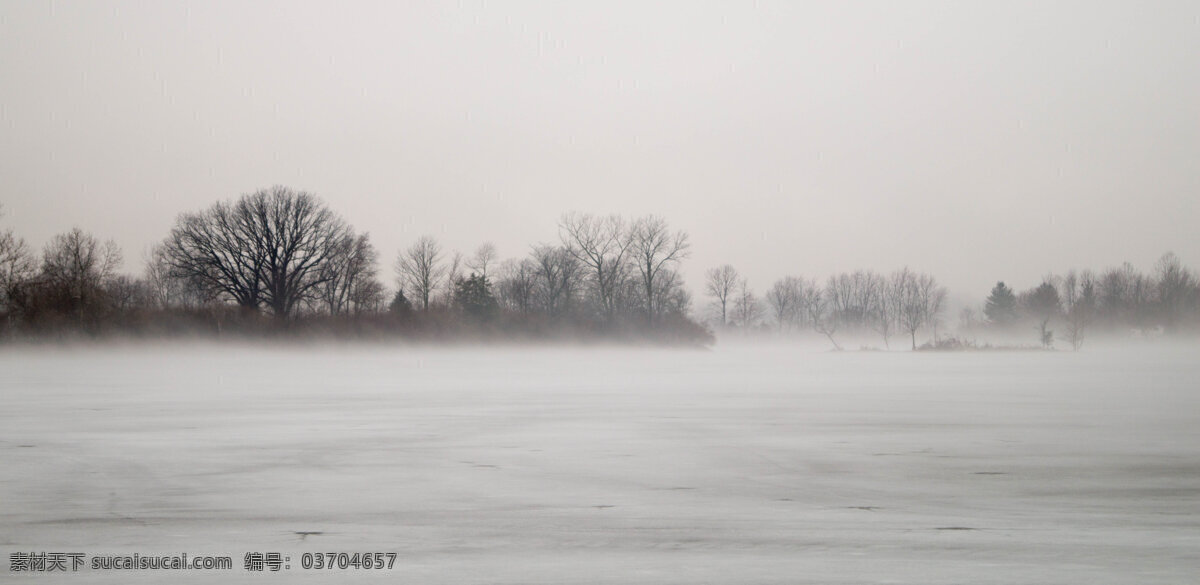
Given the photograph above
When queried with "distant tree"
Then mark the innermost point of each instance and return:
(747, 308)
(1127, 298)
(823, 317)
(888, 301)
(400, 304)
(1001, 306)
(164, 289)
(922, 302)
(1079, 305)
(670, 297)
(270, 248)
(420, 269)
(75, 266)
(516, 285)
(557, 278)
(125, 293)
(367, 295)
(968, 320)
(852, 296)
(1176, 286)
(350, 277)
(937, 303)
(168, 290)
(1043, 304)
(602, 245)
(655, 249)
(484, 258)
(720, 284)
(17, 268)
(454, 273)
(473, 296)
(785, 298)
(809, 294)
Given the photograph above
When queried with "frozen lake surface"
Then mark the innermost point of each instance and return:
(737, 465)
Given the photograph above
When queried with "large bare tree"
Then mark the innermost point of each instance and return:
(421, 270)
(655, 248)
(602, 246)
(268, 249)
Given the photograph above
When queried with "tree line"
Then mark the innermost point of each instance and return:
(282, 260)
(1118, 301)
(904, 302)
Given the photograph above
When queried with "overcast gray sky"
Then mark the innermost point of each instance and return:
(977, 141)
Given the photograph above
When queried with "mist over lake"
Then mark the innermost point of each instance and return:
(747, 463)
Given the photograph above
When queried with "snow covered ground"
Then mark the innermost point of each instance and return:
(736, 465)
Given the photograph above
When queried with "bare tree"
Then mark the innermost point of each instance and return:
(655, 249)
(822, 316)
(76, 265)
(1176, 287)
(720, 283)
(126, 293)
(269, 248)
(1079, 305)
(351, 277)
(887, 304)
(420, 269)
(367, 296)
(785, 298)
(516, 285)
(166, 289)
(557, 275)
(454, 274)
(810, 293)
(485, 256)
(1126, 297)
(670, 296)
(852, 296)
(17, 268)
(922, 302)
(602, 246)
(163, 287)
(968, 322)
(747, 308)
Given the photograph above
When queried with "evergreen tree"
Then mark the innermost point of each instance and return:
(1001, 306)
(400, 304)
(474, 296)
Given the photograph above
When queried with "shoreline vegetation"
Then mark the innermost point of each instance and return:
(278, 264)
